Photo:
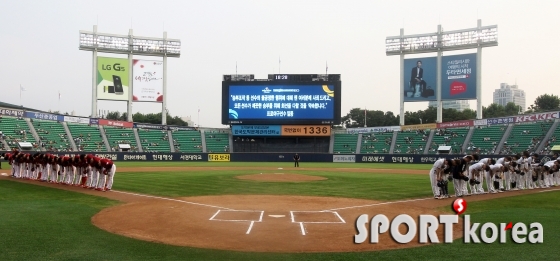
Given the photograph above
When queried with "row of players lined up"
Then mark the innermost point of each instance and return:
(521, 171)
(83, 170)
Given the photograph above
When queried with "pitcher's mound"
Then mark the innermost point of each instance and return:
(280, 177)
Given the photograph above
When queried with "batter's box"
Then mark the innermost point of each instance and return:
(316, 217)
(238, 215)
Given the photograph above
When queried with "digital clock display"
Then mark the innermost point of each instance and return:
(281, 77)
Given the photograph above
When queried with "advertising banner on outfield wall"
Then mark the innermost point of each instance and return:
(344, 158)
(93, 121)
(426, 126)
(503, 120)
(373, 129)
(43, 116)
(76, 120)
(112, 79)
(123, 124)
(482, 122)
(9, 112)
(256, 130)
(455, 124)
(147, 81)
(219, 157)
(149, 126)
(185, 128)
(538, 117)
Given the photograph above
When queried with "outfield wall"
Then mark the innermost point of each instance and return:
(273, 157)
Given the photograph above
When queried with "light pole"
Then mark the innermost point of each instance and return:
(420, 120)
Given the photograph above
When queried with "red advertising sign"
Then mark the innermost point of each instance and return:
(457, 88)
(124, 124)
(455, 124)
(538, 117)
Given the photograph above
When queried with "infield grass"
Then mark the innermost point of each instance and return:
(41, 223)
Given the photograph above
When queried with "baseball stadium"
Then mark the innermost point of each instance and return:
(286, 179)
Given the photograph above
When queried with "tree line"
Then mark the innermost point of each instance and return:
(151, 118)
(358, 118)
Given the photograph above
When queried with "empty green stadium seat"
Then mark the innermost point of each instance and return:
(216, 141)
(525, 137)
(486, 138)
(87, 138)
(117, 135)
(187, 141)
(52, 134)
(345, 143)
(379, 142)
(454, 137)
(15, 130)
(415, 144)
(154, 140)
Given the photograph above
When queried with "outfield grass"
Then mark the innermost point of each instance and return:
(40, 223)
(286, 165)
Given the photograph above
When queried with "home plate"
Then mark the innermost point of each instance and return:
(4, 174)
(276, 216)
(280, 168)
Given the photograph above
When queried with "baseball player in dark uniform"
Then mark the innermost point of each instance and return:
(296, 160)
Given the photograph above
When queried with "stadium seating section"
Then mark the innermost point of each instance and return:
(154, 140)
(216, 141)
(87, 138)
(552, 141)
(187, 141)
(526, 137)
(486, 138)
(116, 136)
(345, 143)
(379, 142)
(411, 142)
(14, 130)
(454, 137)
(53, 135)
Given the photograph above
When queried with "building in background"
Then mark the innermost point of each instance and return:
(188, 120)
(510, 93)
(459, 105)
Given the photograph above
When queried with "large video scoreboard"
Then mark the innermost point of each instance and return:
(281, 99)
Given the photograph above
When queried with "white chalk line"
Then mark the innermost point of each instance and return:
(250, 227)
(171, 199)
(212, 218)
(302, 228)
(377, 204)
(318, 222)
(549, 190)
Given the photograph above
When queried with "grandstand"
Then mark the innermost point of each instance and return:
(345, 143)
(216, 141)
(551, 142)
(53, 135)
(379, 142)
(154, 140)
(411, 142)
(86, 137)
(526, 136)
(187, 141)
(117, 135)
(15, 130)
(454, 137)
(485, 139)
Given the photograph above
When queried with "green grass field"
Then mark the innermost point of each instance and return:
(40, 223)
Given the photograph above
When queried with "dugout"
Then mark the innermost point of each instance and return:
(444, 150)
(281, 144)
(25, 146)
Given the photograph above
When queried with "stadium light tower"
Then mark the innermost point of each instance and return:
(440, 41)
(130, 45)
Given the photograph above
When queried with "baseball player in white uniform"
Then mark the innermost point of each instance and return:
(436, 174)
(549, 168)
(469, 159)
(497, 174)
(475, 176)
(507, 174)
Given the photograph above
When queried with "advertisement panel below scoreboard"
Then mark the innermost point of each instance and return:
(256, 130)
(224, 157)
(306, 130)
(344, 158)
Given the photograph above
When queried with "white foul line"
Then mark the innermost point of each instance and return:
(302, 228)
(171, 199)
(549, 190)
(215, 214)
(376, 204)
(250, 226)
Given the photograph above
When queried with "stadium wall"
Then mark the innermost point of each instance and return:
(271, 157)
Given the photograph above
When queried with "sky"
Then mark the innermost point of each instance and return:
(39, 47)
